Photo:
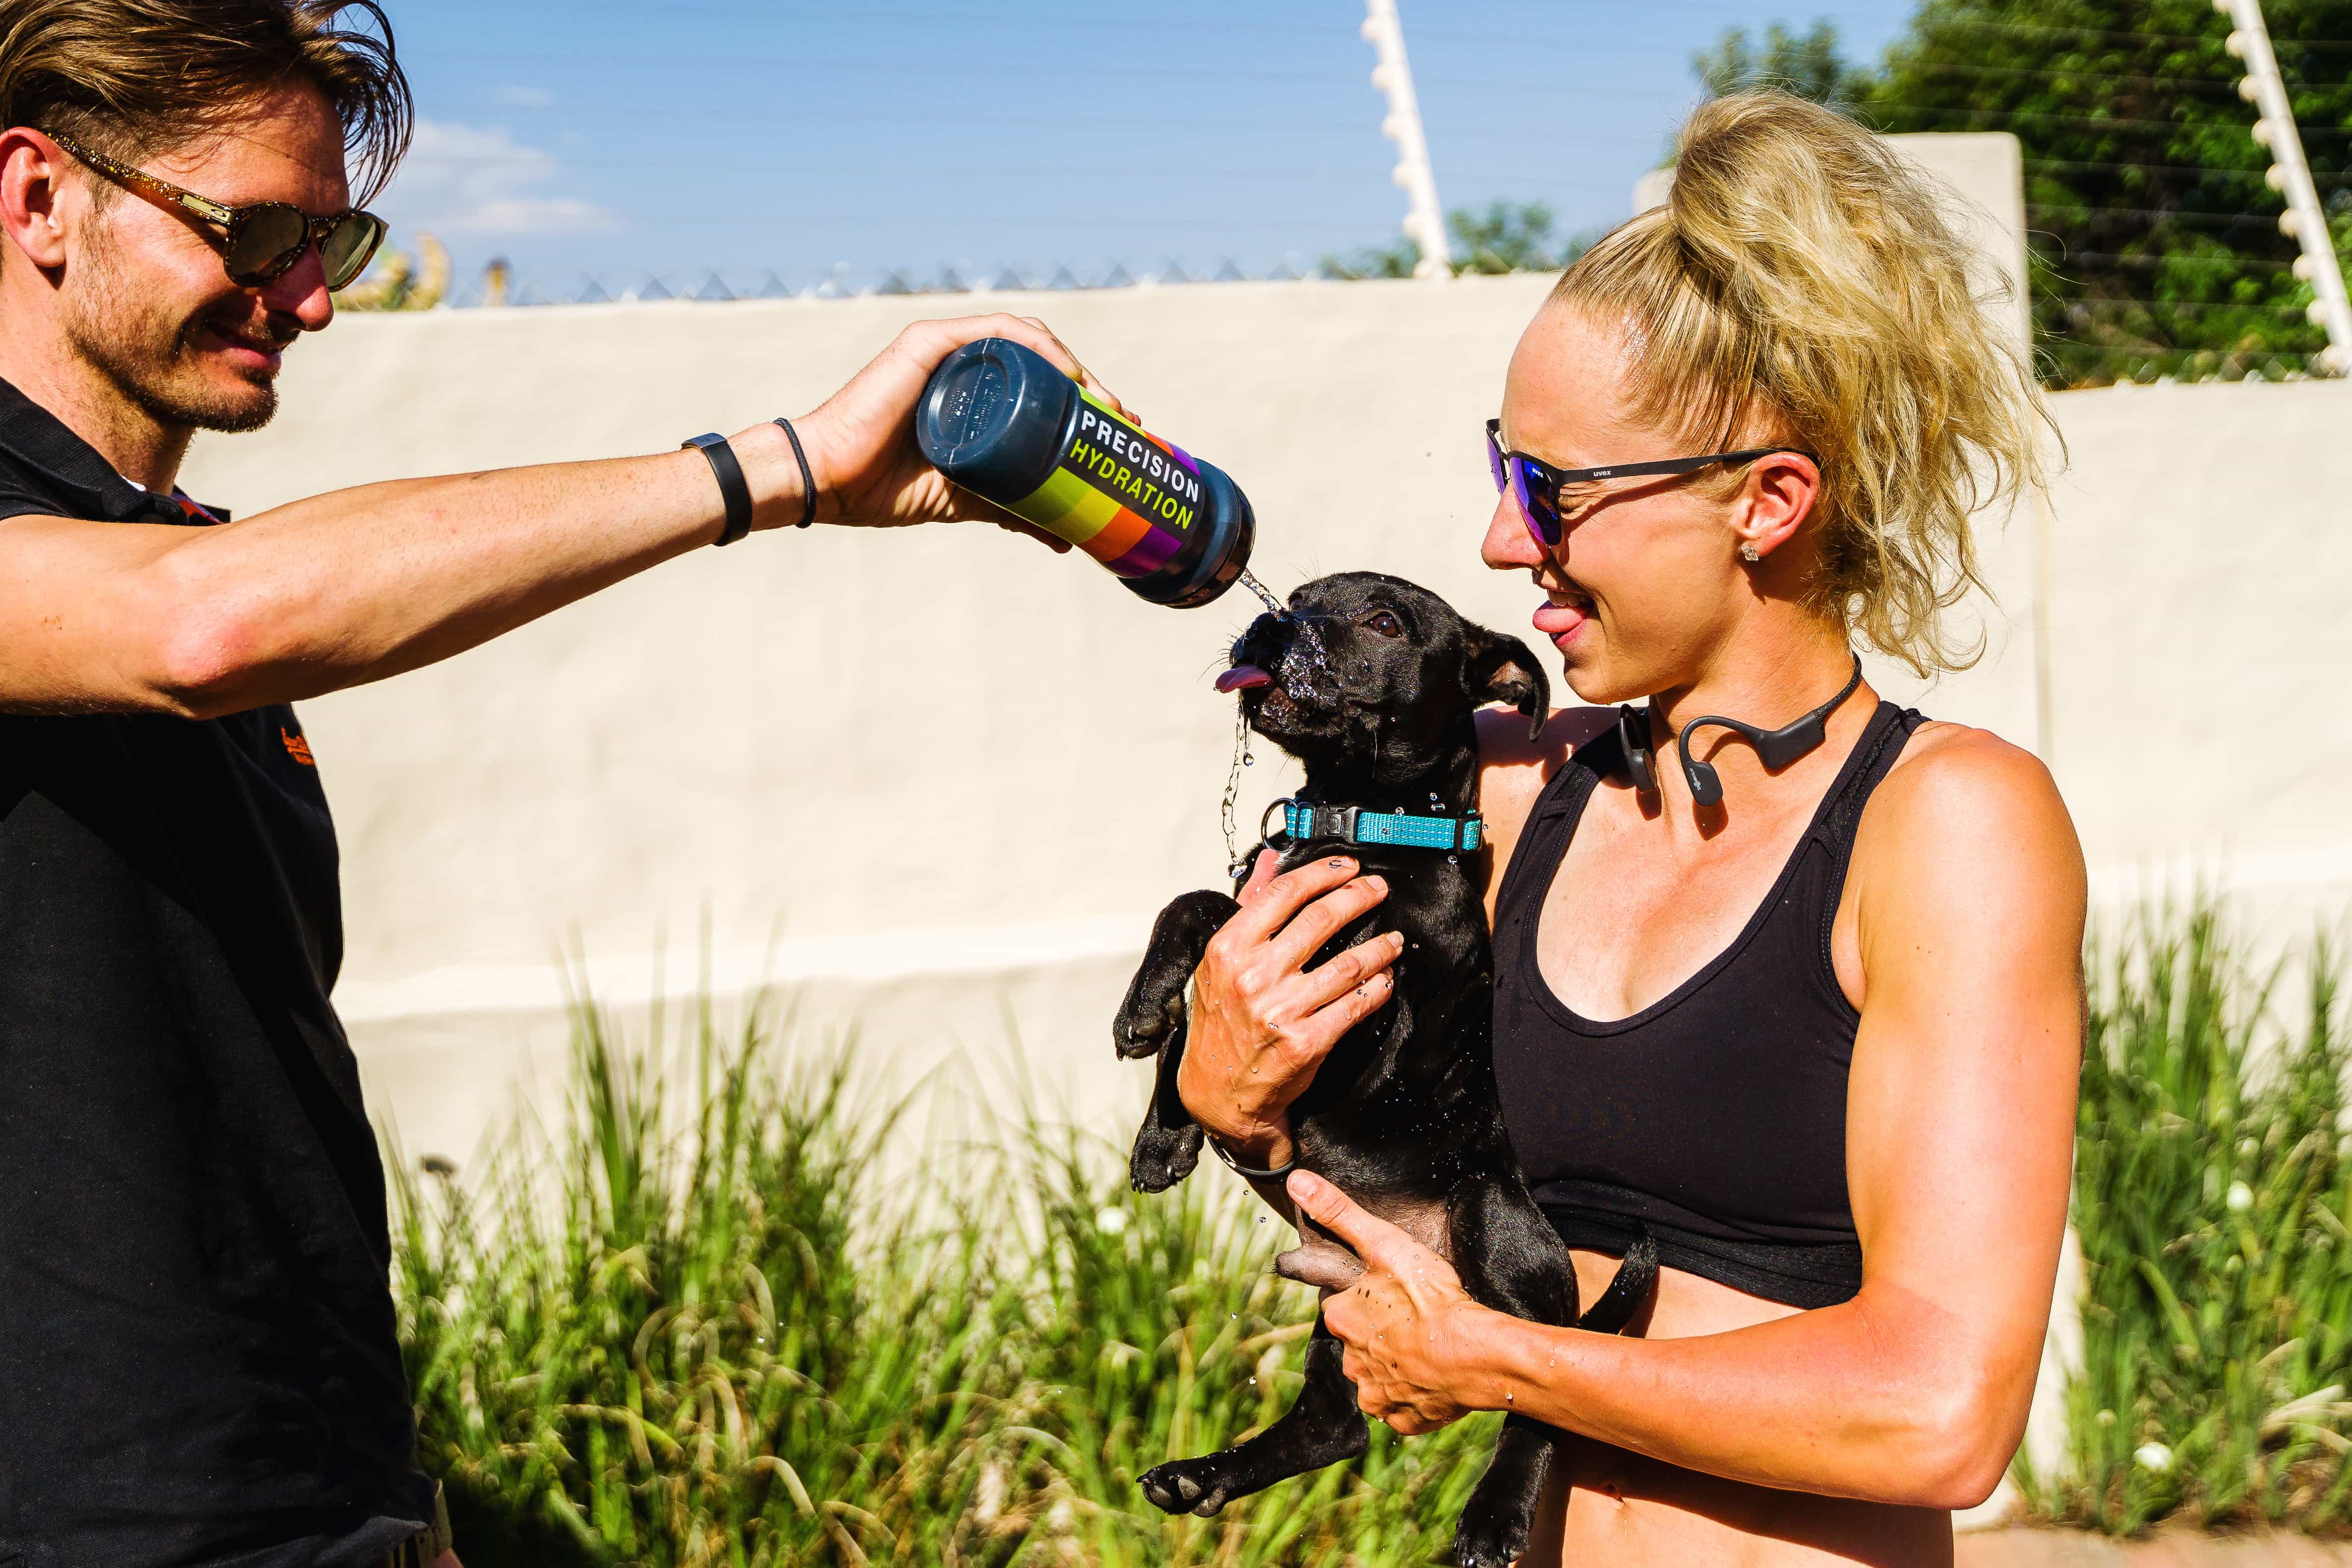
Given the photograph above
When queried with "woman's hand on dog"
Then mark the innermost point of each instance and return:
(1262, 1021)
(1406, 1322)
(861, 443)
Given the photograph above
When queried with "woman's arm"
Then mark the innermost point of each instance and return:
(1970, 896)
(353, 586)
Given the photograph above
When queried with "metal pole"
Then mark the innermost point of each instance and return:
(1424, 221)
(2303, 219)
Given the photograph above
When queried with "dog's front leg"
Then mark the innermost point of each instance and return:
(1152, 1015)
(1168, 1144)
(1153, 1019)
(1323, 1427)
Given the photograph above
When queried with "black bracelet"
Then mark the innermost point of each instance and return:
(1238, 1169)
(808, 480)
(732, 485)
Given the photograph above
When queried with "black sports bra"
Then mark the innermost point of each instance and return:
(1716, 1116)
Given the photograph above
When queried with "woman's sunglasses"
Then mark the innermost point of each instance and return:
(1536, 484)
(263, 240)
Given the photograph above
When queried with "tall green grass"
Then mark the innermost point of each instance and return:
(724, 1331)
(706, 1322)
(2213, 1200)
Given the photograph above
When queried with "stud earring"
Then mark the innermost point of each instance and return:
(1748, 553)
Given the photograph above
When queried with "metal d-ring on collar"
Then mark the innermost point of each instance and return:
(1360, 825)
(1775, 748)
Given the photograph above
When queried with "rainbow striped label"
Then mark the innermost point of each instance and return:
(1123, 496)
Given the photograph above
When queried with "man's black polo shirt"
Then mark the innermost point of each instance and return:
(198, 1362)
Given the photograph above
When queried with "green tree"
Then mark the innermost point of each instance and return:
(1508, 236)
(1396, 260)
(1807, 64)
(2155, 238)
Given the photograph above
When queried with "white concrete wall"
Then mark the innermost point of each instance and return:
(925, 772)
(943, 778)
(2199, 571)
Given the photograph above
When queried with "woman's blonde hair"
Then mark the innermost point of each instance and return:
(1802, 287)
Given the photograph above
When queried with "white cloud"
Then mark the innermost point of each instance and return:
(479, 181)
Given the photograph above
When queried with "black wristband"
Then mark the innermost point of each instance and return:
(732, 486)
(808, 480)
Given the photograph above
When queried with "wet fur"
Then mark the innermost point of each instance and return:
(1402, 1114)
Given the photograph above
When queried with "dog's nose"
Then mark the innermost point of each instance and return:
(1262, 635)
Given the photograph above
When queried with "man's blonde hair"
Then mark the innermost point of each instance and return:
(1801, 287)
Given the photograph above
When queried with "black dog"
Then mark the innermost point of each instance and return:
(1371, 682)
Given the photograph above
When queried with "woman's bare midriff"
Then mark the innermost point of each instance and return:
(1622, 1507)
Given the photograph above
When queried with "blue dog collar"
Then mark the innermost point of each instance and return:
(1353, 824)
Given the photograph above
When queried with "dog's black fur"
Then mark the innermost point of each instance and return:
(1375, 680)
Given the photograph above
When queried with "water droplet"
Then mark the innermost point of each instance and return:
(1453, 859)
(1248, 760)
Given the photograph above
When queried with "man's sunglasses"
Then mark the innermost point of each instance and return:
(1536, 484)
(263, 240)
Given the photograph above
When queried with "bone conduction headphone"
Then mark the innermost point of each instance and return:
(1776, 748)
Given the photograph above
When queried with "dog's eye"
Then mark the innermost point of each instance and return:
(1387, 624)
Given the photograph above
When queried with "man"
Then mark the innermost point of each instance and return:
(198, 1362)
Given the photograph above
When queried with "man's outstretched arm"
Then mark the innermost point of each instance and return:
(358, 584)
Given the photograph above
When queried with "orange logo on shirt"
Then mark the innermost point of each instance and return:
(298, 748)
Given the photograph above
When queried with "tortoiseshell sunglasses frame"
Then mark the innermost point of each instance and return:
(315, 231)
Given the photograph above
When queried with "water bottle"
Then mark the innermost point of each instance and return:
(1001, 421)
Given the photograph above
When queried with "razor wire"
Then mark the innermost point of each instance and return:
(493, 286)
(490, 289)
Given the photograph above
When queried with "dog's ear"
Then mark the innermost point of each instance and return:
(1498, 668)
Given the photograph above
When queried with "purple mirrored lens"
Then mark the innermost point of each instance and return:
(1543, 523)
(1511, 473)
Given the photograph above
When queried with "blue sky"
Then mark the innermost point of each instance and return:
(674, 138)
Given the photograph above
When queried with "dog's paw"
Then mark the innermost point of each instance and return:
(1489, 1537)
(1163, 1156)
(1144, 1023)
(1187, 1485)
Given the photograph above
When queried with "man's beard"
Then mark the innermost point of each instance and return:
(152, 359)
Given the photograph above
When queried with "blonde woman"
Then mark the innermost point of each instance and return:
(1809, 1012)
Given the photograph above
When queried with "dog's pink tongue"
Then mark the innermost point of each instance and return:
(1242, 677)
